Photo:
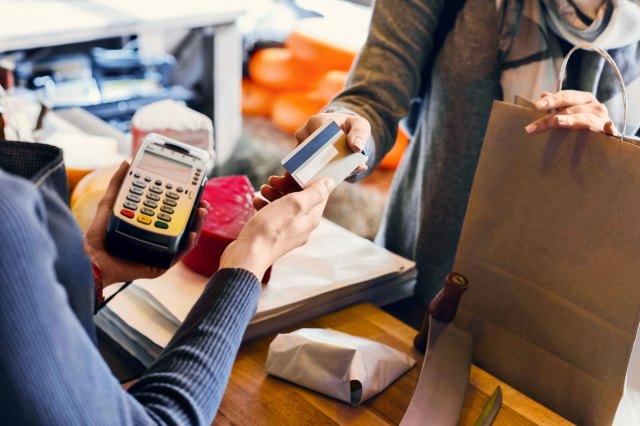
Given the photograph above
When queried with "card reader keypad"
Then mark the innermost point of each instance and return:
(164, 217)
(147, 211)
(131, 206)
(153, 198)
(144, 219)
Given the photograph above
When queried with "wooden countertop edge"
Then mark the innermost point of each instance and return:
(484, 382)
(515, 400)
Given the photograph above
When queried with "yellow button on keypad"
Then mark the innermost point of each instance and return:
(144, 219)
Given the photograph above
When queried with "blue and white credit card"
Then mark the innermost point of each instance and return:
(324, 153)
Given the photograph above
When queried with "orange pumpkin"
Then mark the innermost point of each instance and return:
(291, 110)
(256, 100)
(275, 68)
(331, 84)
(322, 42)
(88, 192)
(74, 176)
(393, 157)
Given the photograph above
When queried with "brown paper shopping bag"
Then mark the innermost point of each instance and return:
(551, 247)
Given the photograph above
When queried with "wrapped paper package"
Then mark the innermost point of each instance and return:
(348, 368)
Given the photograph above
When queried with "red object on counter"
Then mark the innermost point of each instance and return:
(231, 206)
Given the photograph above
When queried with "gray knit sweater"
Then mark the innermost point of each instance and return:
(429, 193)
(428, 199)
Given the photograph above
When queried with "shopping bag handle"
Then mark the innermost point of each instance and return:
(600, 51)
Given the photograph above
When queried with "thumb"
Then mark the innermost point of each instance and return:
(317, 193)
(358, 132)
(111, 193)
(610, 129)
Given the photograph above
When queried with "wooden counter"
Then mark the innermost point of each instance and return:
(254, 398)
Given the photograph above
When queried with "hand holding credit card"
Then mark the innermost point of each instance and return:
(324, 154)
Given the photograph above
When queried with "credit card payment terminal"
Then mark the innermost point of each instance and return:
(157, 201)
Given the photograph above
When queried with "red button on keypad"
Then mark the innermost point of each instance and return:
(127, 213)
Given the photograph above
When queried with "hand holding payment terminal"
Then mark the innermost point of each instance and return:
(157, 202)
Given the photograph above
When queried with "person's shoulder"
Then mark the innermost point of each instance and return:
(20, 200)
(16, 189)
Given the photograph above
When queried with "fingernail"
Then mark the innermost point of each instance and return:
(358, 143)
(610, 128)
(561, 119)
(530, 128)
(542, 103)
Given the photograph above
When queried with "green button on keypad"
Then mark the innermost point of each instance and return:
(161, 225)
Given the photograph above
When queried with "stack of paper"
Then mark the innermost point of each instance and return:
(334, 269)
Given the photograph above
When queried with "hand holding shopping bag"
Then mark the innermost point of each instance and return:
(551, 242)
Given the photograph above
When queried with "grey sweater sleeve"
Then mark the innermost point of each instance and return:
(388, 70)
(50, 370)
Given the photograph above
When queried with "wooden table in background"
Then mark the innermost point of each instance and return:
(254, 398)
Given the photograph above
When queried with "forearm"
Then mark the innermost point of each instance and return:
(187, 382)
(388, 71)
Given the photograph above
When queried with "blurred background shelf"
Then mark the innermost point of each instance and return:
(30, 30)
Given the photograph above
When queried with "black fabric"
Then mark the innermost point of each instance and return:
(29, 160)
